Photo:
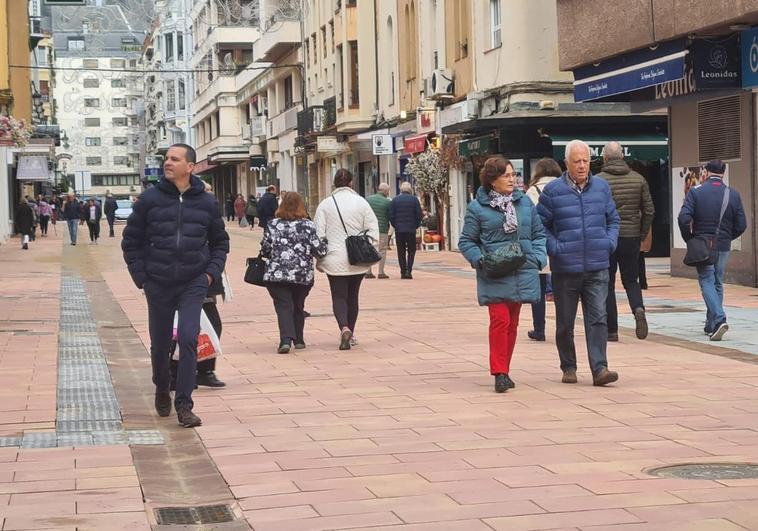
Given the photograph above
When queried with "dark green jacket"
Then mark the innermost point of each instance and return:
(381, 207)
(632, 197)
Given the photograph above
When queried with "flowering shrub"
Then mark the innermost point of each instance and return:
(14, 131)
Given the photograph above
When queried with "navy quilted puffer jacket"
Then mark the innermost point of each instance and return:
(582, 228)
(172, 238)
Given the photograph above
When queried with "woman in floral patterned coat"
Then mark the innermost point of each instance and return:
(290, 244)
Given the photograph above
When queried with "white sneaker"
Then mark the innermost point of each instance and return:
(353, 341)
(720, 331)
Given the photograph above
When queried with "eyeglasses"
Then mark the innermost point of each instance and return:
(509, 175)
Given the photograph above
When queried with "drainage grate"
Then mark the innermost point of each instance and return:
(204, 514)
(713, 471)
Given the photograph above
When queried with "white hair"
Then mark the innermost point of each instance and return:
(613, 151)
(571, 146)
(406, 187)
(384, 187)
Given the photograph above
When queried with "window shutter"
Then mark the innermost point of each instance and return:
(719, 127)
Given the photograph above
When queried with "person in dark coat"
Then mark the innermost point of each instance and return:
(582, 228)
(24, 221)
(251, 210)
(72, 214)
(93, 214)
(229, 207)
(110, 212)
(405, 217)
(175, 246)
(699, 216)
(267, 206)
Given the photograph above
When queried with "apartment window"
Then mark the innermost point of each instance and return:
(351, 3)
(91, 82)
(132, 63)
(339, 89)
(495, 34)
(75, 43)
(182, 96)
(314, 48)
(117, 83)
(307, 53)
(120, 122)
(92, 141)
(323, 39)
(92, 102)
(118, 102)
(94, 161)
(90, 63)
(288, 97)
(168, 49)
(331, 30)
(44, 87)
(41, 55)
(120, 141)
(120, 161)
(118, 63)
(170, 96)
(355, 96)
(218, 124)
(92, 122)
(179, 46)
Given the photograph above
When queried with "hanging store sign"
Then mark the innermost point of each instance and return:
(258, 163)
(414, 144)
(717, 62)
(749, 40)
(426, 120)
(481, 145)
(382, 144)
(330, 144)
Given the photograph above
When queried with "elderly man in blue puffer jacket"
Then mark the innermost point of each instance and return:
(582, 227)
(175, 247)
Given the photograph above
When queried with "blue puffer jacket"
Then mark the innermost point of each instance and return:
(582, 228)
(701, 210)
(483, 233)
(172, 238)
(405, 213)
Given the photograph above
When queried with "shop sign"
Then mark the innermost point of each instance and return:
(382, 144)
(481, 145)
(414, 144)
(330, 144)
(425, 120)
(749, 40)
(258, 163)
(717, 62)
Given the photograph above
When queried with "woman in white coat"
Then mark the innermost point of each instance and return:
(344, 279)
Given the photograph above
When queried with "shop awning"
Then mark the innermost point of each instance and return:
(203, 166)
(480, 145)
(33, 168)
(631, 71)
(636, 147)
(414, 144)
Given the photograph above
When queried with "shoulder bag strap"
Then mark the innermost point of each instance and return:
(724, 204)
(340, 215)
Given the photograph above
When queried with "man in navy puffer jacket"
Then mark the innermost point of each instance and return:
(175, 246)
(405, 217)
(582, 227)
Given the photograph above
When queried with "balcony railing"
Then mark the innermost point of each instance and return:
(330, 112)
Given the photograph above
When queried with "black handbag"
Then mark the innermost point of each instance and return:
(504, 260)
(360, 250)
(256, 268)
(702, 249)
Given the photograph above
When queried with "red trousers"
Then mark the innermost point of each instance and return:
(503, 328)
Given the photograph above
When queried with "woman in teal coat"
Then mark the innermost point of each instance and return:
(499, 214)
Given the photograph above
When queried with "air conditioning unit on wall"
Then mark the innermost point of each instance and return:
(439, 85)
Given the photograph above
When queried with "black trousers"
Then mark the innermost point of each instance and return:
(43, 221)
(289, 301)
(94, 230)
(345, 291)
(406, 250)
(643, 271)
(627, 260)
(538, 308)
(111, 221)
(250, 220)
(211, 310)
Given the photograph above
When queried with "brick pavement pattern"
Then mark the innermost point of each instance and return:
(403, 431)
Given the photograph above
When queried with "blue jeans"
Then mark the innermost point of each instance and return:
(711, 280)
(162, 302)
(592, 289)
(73, 224)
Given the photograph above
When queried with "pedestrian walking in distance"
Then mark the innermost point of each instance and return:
(635, 209)
(175, 247)
(23, 221)
(703, 214)
(72, 214)
(239, 208)
(267, 206)
(109, 209)
(290, 245)
(251, 210)
(582, 226)
(229, 207)
(45, 213)
(500, 215)
(380, 204)
(94, 215)
(405, 217)
(545, 171)
(344, 278)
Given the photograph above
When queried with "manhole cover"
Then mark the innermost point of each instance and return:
(204, 514)
(708, 471)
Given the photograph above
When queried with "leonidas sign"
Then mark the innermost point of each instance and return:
(716, 62)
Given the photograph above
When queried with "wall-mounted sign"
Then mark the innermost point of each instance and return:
(717, 62)
(749, 40)
(330, 144)
(414, 144)
(382, 144)
(258, 163)
(425, 120)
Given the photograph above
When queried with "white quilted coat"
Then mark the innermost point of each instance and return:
(357, 215)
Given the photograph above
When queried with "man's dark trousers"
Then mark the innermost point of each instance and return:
(111, 220)
(627, 260)
(162, 302)
(592, 289)
(406, 250)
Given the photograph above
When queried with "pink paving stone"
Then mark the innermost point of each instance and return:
(304, 498)
(278, 514)
(330, 522)
(458, 525)
(427, 501)
(558, 520)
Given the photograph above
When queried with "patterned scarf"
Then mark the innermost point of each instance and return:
(504, 203)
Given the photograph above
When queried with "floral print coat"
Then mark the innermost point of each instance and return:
(290, 247)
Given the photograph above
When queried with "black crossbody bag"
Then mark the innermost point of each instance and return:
(703, 249)
(360, 249)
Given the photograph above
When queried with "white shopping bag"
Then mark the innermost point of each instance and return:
(228, 295)
(208, 343)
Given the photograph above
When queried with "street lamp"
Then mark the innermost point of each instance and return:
(64, 139)
(37, 105)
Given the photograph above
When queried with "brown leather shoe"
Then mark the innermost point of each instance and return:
(604, 377)
(569, 377)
